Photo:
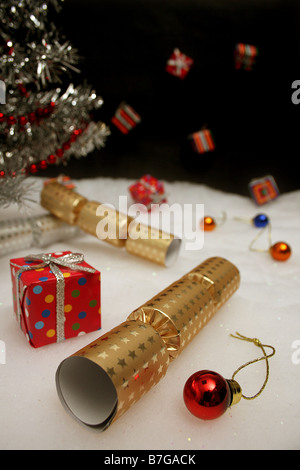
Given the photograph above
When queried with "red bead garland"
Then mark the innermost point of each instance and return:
(33, 117)
(33, 168)
(23, 90)
(11, 120)
(43, 165)
(52, 158)
(59, 152)
(22, 121)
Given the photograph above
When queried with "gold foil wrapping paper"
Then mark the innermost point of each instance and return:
(130, 359)
(119, 229)
(103, 380)
(180, 311)
(62, 202)
(88, 220)
(152, 244)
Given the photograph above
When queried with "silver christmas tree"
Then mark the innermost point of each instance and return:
(44, 119)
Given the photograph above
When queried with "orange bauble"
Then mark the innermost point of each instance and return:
(281, 251)
(208, 224)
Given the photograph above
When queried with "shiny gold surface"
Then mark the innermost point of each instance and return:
(184, 308)
(62, 202)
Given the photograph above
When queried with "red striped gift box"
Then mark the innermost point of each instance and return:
(245, 56)
(202, 141)
(125, 118)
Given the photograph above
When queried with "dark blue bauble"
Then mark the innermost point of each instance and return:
(260, 221)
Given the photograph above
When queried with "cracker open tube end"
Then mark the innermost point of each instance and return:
(86, 391)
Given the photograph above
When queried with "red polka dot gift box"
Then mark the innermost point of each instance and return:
(56, 296)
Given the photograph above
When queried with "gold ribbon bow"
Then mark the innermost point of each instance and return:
(70, 261)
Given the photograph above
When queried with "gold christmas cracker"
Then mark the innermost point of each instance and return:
(101, 381)
(152, 244)
(180, 311)
(138, 239)
(62, 202)
(88, 220)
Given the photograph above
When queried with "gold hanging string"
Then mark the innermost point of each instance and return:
(264, 357)
(245, 220)
(267, 227)
(222, 219)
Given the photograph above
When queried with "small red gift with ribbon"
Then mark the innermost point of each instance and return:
(55, 296)
(148, 190)
(179, 64)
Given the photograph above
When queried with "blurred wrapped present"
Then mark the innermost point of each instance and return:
(148, 190)
(202, 141)
(245, 56)
(263, 190)
(179, 64)
(125, 118)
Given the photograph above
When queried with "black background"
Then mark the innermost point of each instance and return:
(125, 45)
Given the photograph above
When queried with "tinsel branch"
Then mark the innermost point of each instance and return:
(42, 123)
(28, 14)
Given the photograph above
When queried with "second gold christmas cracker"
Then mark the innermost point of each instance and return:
(151, 244)
(101, 381)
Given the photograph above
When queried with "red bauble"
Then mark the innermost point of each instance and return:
(207, 395)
